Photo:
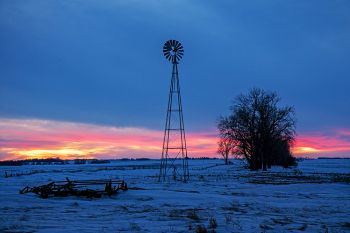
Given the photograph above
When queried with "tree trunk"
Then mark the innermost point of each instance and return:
(269, 164)
(264, 165)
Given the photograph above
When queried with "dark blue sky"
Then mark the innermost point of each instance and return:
(101, 61)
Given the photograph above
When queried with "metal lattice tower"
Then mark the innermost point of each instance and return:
(174, 161)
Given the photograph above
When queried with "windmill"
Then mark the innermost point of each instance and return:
(174, 160)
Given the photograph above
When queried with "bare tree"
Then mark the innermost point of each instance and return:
(261, 131)
(225, 148)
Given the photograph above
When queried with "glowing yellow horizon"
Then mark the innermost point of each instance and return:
(305, 149)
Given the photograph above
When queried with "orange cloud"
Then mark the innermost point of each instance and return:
(33, 138)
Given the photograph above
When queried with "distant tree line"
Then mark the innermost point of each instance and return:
(258, 130)
(32, 162)
(51, 161)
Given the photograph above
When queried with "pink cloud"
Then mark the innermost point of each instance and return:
(34, 138)
(331, 143)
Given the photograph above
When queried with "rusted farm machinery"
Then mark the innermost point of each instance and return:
(81, 188)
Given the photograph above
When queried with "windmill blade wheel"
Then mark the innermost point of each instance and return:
(173, 51)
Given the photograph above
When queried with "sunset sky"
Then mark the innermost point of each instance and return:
(87, 78)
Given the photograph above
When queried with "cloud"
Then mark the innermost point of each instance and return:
(37, 138)
(327, 143)
(34, 138)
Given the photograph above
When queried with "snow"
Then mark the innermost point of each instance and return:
(313, 197)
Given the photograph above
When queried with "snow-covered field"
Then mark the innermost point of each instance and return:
(314, 197)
